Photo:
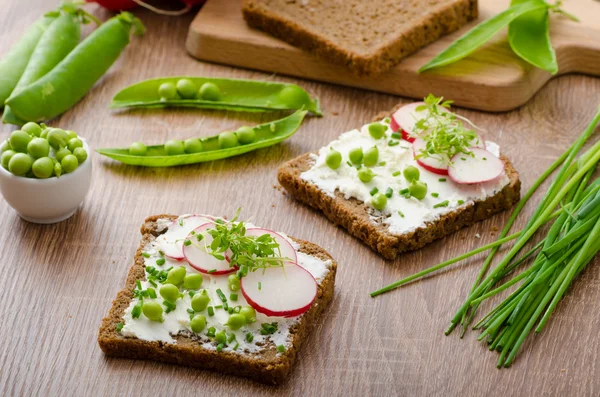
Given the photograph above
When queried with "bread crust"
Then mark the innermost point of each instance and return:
(270, 17)
(268, 366)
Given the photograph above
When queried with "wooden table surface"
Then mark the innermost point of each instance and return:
(58, 281)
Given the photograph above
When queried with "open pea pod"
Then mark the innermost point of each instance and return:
(267, 134)
(216, 93)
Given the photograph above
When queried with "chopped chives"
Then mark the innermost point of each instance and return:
(249, 337)
(382, 163)
(396, 173)
(233, 297)
(211, 332)
(230, 337)
(401, 213)
(225, 306)
(220, 347)
(442, 204)
(152, 293)
(393, 143)
(235, 347)
(230, 310)
(396, 135)
(119, 327)
(192, 293)
(187, 243)
(281, 349)
(221, 295)
(160, 261)
(138, 284)
(259, 285)
(145, 255)
(442, 180)
(404, 191)
(436, 195)
(460, 202)
(218, 307)
(211, 311)
(349, 163)
(137, 310)
(153, 283)
(374, 191)
(190, 310)
(389, 192)
(212, 271)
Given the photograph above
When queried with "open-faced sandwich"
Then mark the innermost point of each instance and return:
(220, 295)
(403, 181)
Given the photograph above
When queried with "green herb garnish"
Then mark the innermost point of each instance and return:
(444, 203)
(374, 191)
(268, 328)
(119, 327)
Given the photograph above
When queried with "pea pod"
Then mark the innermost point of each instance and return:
(75, 75)
(58, 40)
(267, 134)
(231, 94)
(529, 38)
(481, 33)
(14, 63)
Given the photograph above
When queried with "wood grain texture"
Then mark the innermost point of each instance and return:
(58, 281)
(491, 79)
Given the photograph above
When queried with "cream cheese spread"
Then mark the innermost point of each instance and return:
(401, 214)
(178, 321)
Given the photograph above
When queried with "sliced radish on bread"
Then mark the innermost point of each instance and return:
(171, 242)
(198, 257)
(285, 247)
(285, 291)
(436, 164)
(406, 117)
(482, 166)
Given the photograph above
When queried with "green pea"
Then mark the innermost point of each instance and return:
(371, 156)
(193, 145)
(169, 292)
(246, 135)
(20, 164)
(220, 337)
(19, 141)
(58, 171)
(236, 321)
(174, 147)
(152, 310)
(210, 92)
(74, 143)
(227, 140)
(43, 167)
(71, 135)
(193, 281)
(365, 175)
(356, 155)
(60, 155)
(294, 96)
(198, 323)
(411, 173)
(418, 190)
(44, 133)
(69, 163)
(377, 130)
(38, 148)
(379, 201)
(176, 275)
(234, 282)
(6, 156)
(249, 313)
(32, 129)
(4, 146)
(138, 149)
(186, 88)
(333, 159)
(200, 301)
(81, 154)
(57, 138)
(167, 91)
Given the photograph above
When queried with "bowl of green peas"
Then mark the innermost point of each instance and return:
(45, 172)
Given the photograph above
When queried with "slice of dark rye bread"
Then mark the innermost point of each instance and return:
(369, 37)
(268, 366)
(355, 216)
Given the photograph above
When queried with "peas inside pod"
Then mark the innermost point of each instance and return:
(194, 150)
(38, 151)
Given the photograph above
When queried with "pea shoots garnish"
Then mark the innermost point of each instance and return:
(444, 132)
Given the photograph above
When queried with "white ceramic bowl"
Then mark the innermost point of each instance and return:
(47, 200)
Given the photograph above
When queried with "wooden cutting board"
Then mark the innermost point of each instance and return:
(492, 79)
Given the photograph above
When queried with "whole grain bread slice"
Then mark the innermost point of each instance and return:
(369, 37)
(355, 216)
(268, 366)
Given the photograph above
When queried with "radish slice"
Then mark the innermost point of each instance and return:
(481, 167)
(281, 292)
(393, 125)
(198, 258)
(286, 248)
(171, 243)
(433, 164)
